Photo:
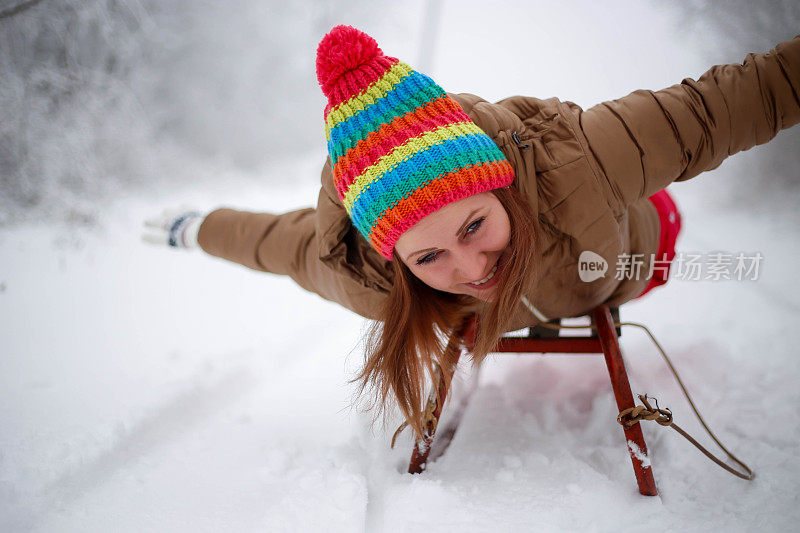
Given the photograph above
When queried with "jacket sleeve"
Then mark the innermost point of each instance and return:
(646, 140)
(285, 244)
(279, 244)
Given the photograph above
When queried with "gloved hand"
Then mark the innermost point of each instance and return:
(174, 227)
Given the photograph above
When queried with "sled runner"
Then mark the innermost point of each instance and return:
(541, 339)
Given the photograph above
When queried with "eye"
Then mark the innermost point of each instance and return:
(475, 226)
(427, 259)
(469, 230)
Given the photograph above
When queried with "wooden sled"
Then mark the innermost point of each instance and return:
(543, 340)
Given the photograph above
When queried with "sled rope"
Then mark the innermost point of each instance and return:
(629, 417)
(634, 415)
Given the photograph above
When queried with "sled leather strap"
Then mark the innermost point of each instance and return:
(634, 415)
(429, 419)
(662, 416)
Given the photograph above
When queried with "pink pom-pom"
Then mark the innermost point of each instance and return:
(342, 50)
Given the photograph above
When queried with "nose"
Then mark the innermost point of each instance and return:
(470, 265)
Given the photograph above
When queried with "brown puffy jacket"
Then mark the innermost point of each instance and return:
(587, 174)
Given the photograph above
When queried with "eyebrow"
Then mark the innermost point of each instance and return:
(460, 230)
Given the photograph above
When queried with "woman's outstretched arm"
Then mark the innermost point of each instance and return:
(280, 244)
(287, 244)
(646, 140)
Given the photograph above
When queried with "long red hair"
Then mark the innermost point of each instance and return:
(416, 322)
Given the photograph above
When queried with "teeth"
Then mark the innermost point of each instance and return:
(487, 278)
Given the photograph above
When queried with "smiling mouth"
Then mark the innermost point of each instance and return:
(488, 276)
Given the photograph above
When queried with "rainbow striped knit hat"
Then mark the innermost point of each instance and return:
(400, 147)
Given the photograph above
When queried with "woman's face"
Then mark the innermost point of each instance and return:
(461, 248)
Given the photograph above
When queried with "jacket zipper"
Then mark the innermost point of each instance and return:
(516, 139)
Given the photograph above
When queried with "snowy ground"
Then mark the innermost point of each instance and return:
(143, 389)
(147, 389)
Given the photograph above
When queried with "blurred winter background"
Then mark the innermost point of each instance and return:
(103, 99)
(142, 389)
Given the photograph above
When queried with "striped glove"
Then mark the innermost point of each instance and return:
(174, 227)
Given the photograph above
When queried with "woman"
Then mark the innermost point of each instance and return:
(437, 205)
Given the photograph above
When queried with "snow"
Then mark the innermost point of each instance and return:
(639, 454)
(147, 389)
